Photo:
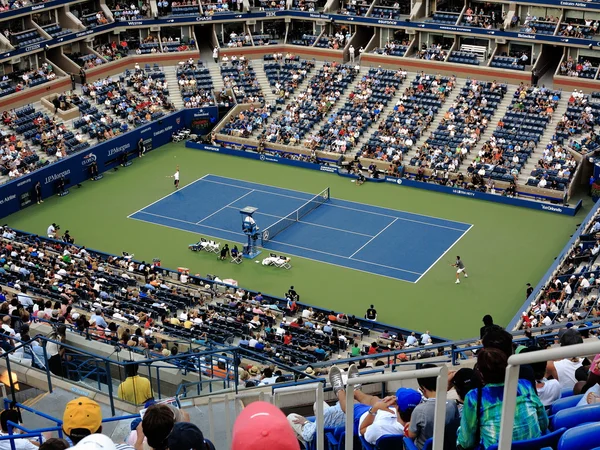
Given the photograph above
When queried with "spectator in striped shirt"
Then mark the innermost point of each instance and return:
(531, 420)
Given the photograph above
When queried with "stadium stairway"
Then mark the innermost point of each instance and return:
(215, 74)
(342, 100)
(436, 120)
(203, 413)
(499, 113)
(545, 139)
(263, 81)
(174, 91)
(384, 114)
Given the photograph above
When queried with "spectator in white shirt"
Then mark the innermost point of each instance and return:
(389, 416)
(20, 444)
(425, 338)
(548, 390)
(411, 340)
(564, 370)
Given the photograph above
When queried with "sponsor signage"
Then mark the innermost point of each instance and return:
(522, 202)
(19, 193)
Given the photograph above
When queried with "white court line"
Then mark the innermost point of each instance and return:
(349, 208)
(344, 257)
(266, 249)
(371, 240)
(276, 242)
(349, 201)
(186, 221)
(224, 207)
(444, 254)
(314, 224)
(168, 195)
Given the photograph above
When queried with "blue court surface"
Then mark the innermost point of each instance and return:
(362, 237)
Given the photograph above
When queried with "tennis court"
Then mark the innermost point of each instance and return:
(382, 241)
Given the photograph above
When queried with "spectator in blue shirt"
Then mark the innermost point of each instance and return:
(100, 322)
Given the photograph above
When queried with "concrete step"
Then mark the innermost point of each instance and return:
(341, 101)
(174, 91)
(545, 139)
(435, 123)
(215, 74)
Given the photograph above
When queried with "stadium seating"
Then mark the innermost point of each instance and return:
(25, 38)
(411, 116)
(584, 437)
(505, 62)
(539, 27)
(463, 58)
(452, 141)
(264, 39)
(55, 30)
(518, 133)
(392, 48)
(572, 417)
(290, 128)
(345, 126)
(284, 79)
(240, 77)
(306, 40)
(445, 18)
(549, 440)
(200, 90)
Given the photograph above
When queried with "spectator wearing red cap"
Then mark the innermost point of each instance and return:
(261, 426)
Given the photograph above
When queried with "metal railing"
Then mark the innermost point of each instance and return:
(511, 381)
(319, 415)
(440, 372)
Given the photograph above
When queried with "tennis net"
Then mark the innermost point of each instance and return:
(295, 216)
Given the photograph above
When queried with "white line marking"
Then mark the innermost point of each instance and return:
(373, 238)
(343, 257)
(347, 201)
(168, 195)
(188, 222)
(312, 223)
(301, 257)
(444, 254)
(347, 207)
(224, 207)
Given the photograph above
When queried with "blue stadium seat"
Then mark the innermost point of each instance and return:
(410, 445)
(566, 393)
(548, 440)
(389, 442)
(564, 403)
(572, 417)
(584, 437)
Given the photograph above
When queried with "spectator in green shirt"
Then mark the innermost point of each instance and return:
(355, 351)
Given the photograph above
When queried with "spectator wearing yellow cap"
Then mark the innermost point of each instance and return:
(81, 418)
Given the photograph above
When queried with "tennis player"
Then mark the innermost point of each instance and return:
(175, 177)
(460, 268)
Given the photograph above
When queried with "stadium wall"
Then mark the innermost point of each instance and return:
(19, 194)
(553, 208)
